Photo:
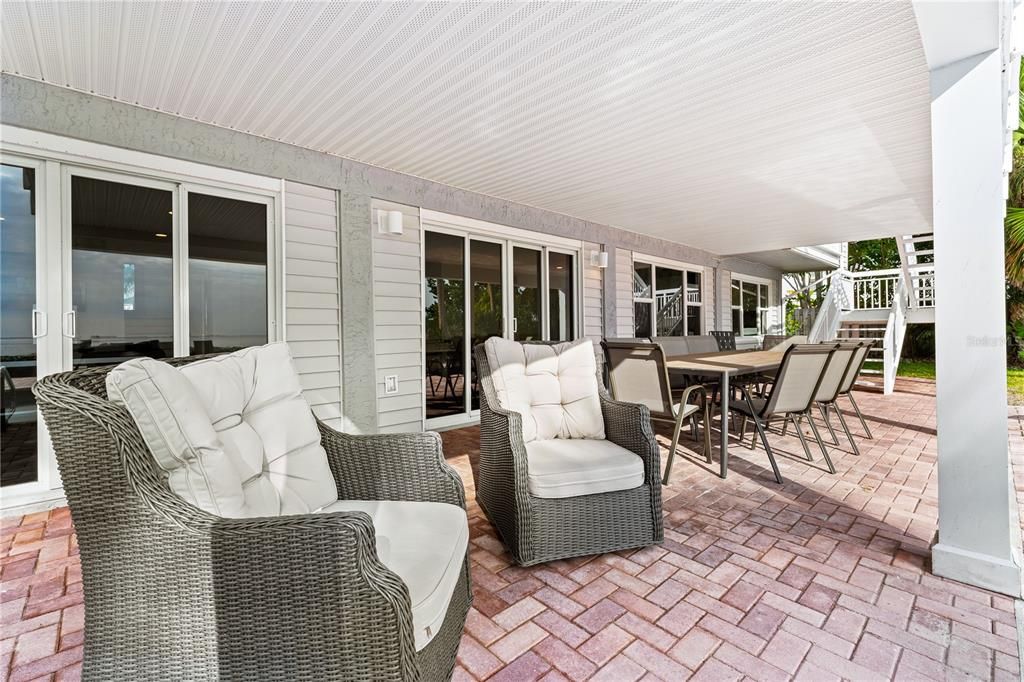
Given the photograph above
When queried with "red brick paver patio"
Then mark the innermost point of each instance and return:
(824, 578)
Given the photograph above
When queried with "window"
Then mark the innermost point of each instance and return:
(666, 301)
(750, 307)
(227, 270)
(479, 285)
(131, 248)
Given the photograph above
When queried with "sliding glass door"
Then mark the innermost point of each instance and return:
(21, 324)
(515, 291)
(99, 265)
(161, 269)
(527, 322)
(121, 275)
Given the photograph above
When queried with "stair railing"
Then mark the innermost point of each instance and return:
(895, 330)
(830, 312)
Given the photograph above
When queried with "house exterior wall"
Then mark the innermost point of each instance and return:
(373, 340)
(313, 295)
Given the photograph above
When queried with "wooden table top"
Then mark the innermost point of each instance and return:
(732, 362)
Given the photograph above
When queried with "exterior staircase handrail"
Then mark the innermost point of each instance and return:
(895, 330)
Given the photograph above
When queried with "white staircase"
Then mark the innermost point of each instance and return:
(879, 305)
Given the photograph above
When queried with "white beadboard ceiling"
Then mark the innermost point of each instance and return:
(730, 126)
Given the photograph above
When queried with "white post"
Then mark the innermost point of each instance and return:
(979, 531)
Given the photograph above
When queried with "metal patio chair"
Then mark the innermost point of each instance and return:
(831, 382)
(850, 380)
(638, 374)
(791, 396)
(725, 340)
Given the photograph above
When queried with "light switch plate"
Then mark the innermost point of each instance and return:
(391, 383)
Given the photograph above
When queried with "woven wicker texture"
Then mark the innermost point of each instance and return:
(536, 530)
(175, 593)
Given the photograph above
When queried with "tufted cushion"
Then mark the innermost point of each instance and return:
(553, 387)
(233, 433)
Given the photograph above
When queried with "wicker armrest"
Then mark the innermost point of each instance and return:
(629, 425)
(310, 577)
(406, 466)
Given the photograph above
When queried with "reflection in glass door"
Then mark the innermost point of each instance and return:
(476, 287)
(20, 325)
(122, 283)
(561, 296)
(227, 273)
(445, 323)
(526, 295)
(487, 313)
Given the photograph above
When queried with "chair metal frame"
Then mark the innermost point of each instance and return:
(668, 413)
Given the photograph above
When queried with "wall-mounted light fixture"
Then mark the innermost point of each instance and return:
(389, 222)
(599, 259)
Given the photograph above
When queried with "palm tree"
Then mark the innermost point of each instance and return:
(1014, 221)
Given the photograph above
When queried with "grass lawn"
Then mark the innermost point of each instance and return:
(925, 369)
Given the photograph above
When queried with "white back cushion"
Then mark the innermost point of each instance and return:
(233, 432)
(553, 387)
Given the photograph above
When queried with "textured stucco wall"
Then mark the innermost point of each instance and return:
(44, 107)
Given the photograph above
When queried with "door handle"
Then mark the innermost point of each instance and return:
(515, 325)
(70, 324)
(38, 323)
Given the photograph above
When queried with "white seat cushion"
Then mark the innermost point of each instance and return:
(425, 544)
(572, 467)
(233, 433)
(553, 387)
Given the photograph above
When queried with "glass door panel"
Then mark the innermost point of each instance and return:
(643, 298)
(526, 294)
(487, 313)
(693, 303)
(122, 284)
(749, 308)
(19, 326)
(561, 296)
(227, 272)
(670, 304)
(445, 323)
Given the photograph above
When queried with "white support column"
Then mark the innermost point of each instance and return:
(979, 530)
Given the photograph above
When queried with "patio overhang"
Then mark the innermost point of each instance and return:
(798, 259)
(742, 129)
(730, 127)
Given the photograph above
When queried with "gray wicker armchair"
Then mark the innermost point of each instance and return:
(537, 529)
(175, 593)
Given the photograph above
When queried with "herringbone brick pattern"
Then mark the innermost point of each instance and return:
(823, 578)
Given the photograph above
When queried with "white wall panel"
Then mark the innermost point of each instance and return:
(398, 320)
(312, 302)
(624, 293)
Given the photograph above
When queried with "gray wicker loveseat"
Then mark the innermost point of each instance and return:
(175, 592)
(564, 470)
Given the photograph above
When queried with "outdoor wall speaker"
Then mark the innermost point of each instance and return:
(389, 222)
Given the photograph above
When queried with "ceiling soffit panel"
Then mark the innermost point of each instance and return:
(730, 126)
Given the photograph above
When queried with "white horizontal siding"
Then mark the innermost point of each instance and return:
(624, 293)
(707, 295)
(725, 300)
(312, 296)
(593, 296)
(398, 321)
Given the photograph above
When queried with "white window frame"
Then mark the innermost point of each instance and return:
(686, 268)
(762, 311)
(56, 158)
(471, 229)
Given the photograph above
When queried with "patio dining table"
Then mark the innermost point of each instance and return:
(725, 364)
